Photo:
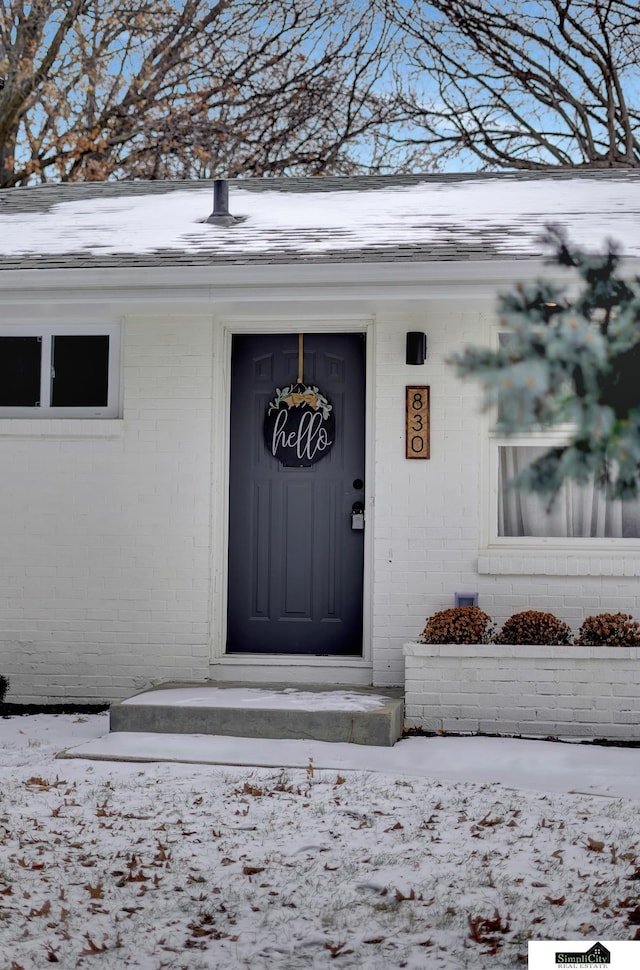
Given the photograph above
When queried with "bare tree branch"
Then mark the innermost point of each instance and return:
(159, 88)
(555, 83)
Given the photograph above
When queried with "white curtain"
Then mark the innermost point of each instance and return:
(576, 511)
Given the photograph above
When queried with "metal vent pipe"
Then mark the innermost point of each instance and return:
(221, 215)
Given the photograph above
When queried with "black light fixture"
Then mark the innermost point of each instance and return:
(416, 347)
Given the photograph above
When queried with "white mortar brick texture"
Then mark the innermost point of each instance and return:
(104, 565)
(429, 515)
(425, 526)
(105, 562)
(520, 701)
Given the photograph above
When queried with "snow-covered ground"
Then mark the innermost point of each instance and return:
(441, 852)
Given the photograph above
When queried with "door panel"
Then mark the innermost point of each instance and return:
(295, 564)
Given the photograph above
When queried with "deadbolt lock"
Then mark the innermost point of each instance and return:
(357, 516)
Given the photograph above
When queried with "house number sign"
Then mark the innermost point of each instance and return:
(299, 426)
(417, 423)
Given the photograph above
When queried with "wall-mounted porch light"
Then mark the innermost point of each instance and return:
(416, 347)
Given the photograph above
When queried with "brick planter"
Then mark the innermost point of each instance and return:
(582, 692)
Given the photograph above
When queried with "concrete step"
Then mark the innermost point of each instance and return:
(361, 715)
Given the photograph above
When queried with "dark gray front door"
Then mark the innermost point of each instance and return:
(295, 563)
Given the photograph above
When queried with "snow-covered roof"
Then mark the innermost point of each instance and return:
(332, 219)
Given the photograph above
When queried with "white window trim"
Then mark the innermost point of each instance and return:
(48, 330)
(533, 555)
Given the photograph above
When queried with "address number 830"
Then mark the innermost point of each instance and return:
(417, 422)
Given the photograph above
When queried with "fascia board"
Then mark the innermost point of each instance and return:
(249, 282)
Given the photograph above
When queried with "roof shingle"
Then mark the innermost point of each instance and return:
(404, 218)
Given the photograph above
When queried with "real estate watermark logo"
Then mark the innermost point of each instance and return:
(597, 955)
(553, 954)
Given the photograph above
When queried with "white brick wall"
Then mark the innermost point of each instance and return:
(589, 692)
(104, 560)
(428, 513)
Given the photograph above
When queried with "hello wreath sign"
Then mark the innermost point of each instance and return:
(299, 425)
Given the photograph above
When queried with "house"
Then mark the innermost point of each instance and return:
(174, 508)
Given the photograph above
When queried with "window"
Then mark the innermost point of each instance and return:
(577, 512)
(63, 370)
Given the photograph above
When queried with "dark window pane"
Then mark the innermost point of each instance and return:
(20, 371)
(80, 371)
